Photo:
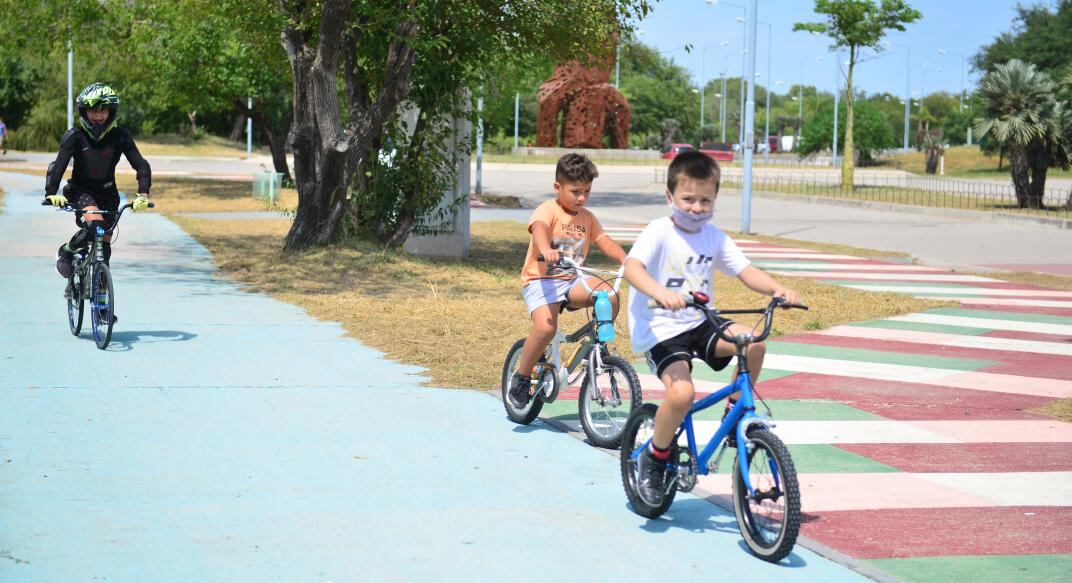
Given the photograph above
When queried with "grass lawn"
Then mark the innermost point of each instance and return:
(966, 162)
(209, 145)
(468, 312)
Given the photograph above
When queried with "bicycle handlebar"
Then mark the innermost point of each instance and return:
(118, 213)
(568, 263)
(699, 301)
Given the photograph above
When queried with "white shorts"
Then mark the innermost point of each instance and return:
(541, 292)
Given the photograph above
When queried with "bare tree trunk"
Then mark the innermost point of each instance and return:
(849, 155)
(325, 154)
(239, 124)
(192, 116)
(1036, 198)
(1020, 182)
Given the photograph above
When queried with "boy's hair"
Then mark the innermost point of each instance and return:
(695, 165)
(575, 167)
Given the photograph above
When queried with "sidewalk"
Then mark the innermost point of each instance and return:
(228, 436)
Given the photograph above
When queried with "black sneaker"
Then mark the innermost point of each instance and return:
(518, 393)
(64, 258)
(651, 475)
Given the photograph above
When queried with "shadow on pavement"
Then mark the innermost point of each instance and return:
(124, 341)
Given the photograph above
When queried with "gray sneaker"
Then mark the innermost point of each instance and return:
(651, 475)
(519, 391)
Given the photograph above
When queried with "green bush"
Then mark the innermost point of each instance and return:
(42, 130)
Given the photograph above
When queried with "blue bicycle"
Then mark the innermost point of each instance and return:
(766, 496)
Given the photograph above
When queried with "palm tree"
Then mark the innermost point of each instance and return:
(1023, 116)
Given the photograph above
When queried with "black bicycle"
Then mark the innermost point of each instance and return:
(88, 266)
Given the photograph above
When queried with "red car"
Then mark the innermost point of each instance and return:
(718, 151)
(671, 151)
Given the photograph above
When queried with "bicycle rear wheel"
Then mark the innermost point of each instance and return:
(770, 519)
(638, 431)
(605, 407)
(102, 306)
(75, 301)
(526, 414)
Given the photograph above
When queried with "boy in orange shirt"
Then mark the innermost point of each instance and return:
(559, 227)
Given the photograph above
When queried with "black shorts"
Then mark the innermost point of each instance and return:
(104, 199)
(696, 343)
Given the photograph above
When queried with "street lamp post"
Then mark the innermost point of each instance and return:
(750, 113)
(744, 51)
(837, 90)
(907, 89)
(963, 59)
(766, 136)
(70, 85)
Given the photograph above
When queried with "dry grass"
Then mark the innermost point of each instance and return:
(964, 161)
(177, 145)
(466, 313)
(1059, 409)
(187, 195)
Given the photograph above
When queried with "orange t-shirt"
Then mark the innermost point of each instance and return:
(571, 234)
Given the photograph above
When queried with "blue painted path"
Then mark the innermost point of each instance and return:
(227, 436)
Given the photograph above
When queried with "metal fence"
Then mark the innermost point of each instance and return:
(898, 188)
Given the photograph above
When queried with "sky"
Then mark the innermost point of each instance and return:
(956, 26)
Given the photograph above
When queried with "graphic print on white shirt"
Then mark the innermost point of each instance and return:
(682, 262)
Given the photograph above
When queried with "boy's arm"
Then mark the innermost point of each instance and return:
(636, 273)
(541, 239)
(611, 248)
(758, 280)
(58, 168)
(140, 165)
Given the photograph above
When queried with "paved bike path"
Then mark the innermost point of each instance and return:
(228, 436)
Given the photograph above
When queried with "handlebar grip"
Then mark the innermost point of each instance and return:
(540, 258)
(45, 203)
(793, 306)
(152, 205)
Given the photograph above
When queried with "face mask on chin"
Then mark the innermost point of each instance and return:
(690, 222)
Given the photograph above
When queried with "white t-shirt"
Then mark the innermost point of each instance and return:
(680, 261)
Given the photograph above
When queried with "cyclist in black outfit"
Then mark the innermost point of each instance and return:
(95, 144)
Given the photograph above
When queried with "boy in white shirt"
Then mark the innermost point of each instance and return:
(675, 255)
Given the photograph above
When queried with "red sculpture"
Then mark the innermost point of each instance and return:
(590, 104)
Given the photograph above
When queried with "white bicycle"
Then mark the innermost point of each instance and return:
(609, 390)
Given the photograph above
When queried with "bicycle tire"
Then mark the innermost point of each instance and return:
(602, 422)
(638, 430)
(102, 307)
(76, 303)
(527, 414)
(769, 530)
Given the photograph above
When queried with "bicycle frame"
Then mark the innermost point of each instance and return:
(586, 334)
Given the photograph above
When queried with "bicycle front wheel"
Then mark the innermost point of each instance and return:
(639, 429)
(102, 306)
(769, 519)
(75, 302)
(605, 407)
(526, 414)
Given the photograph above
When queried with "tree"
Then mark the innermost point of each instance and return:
(1039, 36)
(394, 59)
(1021, 114)
(872, 131)
(857, 25)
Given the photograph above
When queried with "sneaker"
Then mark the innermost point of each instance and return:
(64, 258)
(519, 391)
(651, 474)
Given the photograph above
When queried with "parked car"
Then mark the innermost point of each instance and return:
(670, 152)
(720, 151)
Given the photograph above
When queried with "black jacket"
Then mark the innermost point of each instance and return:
(94, 162)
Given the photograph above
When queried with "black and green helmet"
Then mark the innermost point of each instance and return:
(97, 96)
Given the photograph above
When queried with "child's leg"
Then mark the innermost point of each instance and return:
(544, 325)
(579, 297)
(677, 378)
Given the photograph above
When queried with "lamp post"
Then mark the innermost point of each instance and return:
(750, 112)
(70, 85)
(908, 86)
(837, 91)
(517, 112)
(766, 150)
(722, 112)
(703, 80)
(744, 52)
(963, 59)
